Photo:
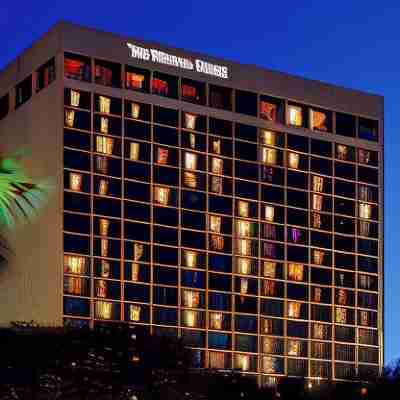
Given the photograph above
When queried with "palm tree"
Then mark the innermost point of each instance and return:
(20, 196)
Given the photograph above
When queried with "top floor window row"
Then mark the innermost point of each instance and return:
(266, 107)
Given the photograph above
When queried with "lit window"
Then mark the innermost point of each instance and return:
(215, 223)
(268, 345)
(320, 331)
(268, 111)
(216, 320)
(190, 121)
(318, 120)
(296, 272)
(75, 265)
(159, 87)
(217, 360)
(217, 242)
(69, 118)
(103, 310)
(268, 137)
(364, 320)
(244, 285)
(104, 225)
(190, 179)
(101, 288)
(242, 362)
(365, 282)
(75, 98)
(364, 156)
(217, 165)
(365, 193)
(190, 258)
(104, 247)
(318, 256)
(341, 315)
(138, 250)
(317, 202)
(192, 140)
(105, 269)
(105, 104)
(244, 266)
(244, 247)
(103, 187)
(216, 146)
(190, 161)
(134, 312)
(135, 267)
(268, 156)
(269, 269)
(134, 81)
(295, 234)
(104, 144)
(269, 288)
(161, 195)
(269, 365)
(243, 228)
(74, 285)
(134, 151)
(268, 326)
(294, 309)
(104, 125)
(341, 152)
(365, 210)
(191, 298)
(364, 228)
(216, 184)
(317, 295)
(318, 183)
(190, 318)
(295, 115)
(162, 156)
(102, 164)
(293, 160)
(135, 110)
(75, 181)
(189, 92)
(269, 213)
(293, 347)
(316, 220)
(342, 297)
(243, 208)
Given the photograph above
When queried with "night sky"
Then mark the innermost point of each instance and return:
(349, 43)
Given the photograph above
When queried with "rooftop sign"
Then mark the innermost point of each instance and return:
(161, 57)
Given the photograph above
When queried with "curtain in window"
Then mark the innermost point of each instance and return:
(103, 310)
(294, 309)
(216, 320)
(190, 258)
(295, 115)
(161, 195)
(69, 118)
(293, 160)
(190, 179)
(75, 98)
(75, 265)
(190, 121)
(105, 269)
(217, 165)
(75, 181)
(269, 269)
(135, 110)
(318, 183)
(267, 137)
(134, 151)
(268, 111)
(134, 312)
(318, 121)
(243, 208)
(105, 104)
(134, 81)
(216, 146)
(269, 156)
(103, 226)
(101, 288)
(296, 272)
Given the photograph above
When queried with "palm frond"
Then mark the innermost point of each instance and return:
(20, 196)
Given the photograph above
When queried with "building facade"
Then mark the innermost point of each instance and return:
(236, 207)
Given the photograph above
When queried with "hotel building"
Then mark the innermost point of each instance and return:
(236, 207)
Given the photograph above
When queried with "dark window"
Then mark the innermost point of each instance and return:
(4, 105)
(367, 129)
(166, 116)
(193, 91)
(220, 127)
(137, 211)
(246, 103)
(45, 74)
(164, 85)
(297, 142)
(166, 276)
(321, 148)
(23, 91)
(76, 202)
(137, 79)
(220, 97)
(345, 125)
(76, 223)
(76, 244)
(246, 132)
(77, 67)
(167, 296)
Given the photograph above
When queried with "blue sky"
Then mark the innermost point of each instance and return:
(348, 43)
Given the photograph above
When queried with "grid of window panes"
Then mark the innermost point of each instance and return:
(259, 248)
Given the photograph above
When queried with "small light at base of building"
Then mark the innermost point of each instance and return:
(364, 391)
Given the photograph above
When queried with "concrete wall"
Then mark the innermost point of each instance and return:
(31, 283)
